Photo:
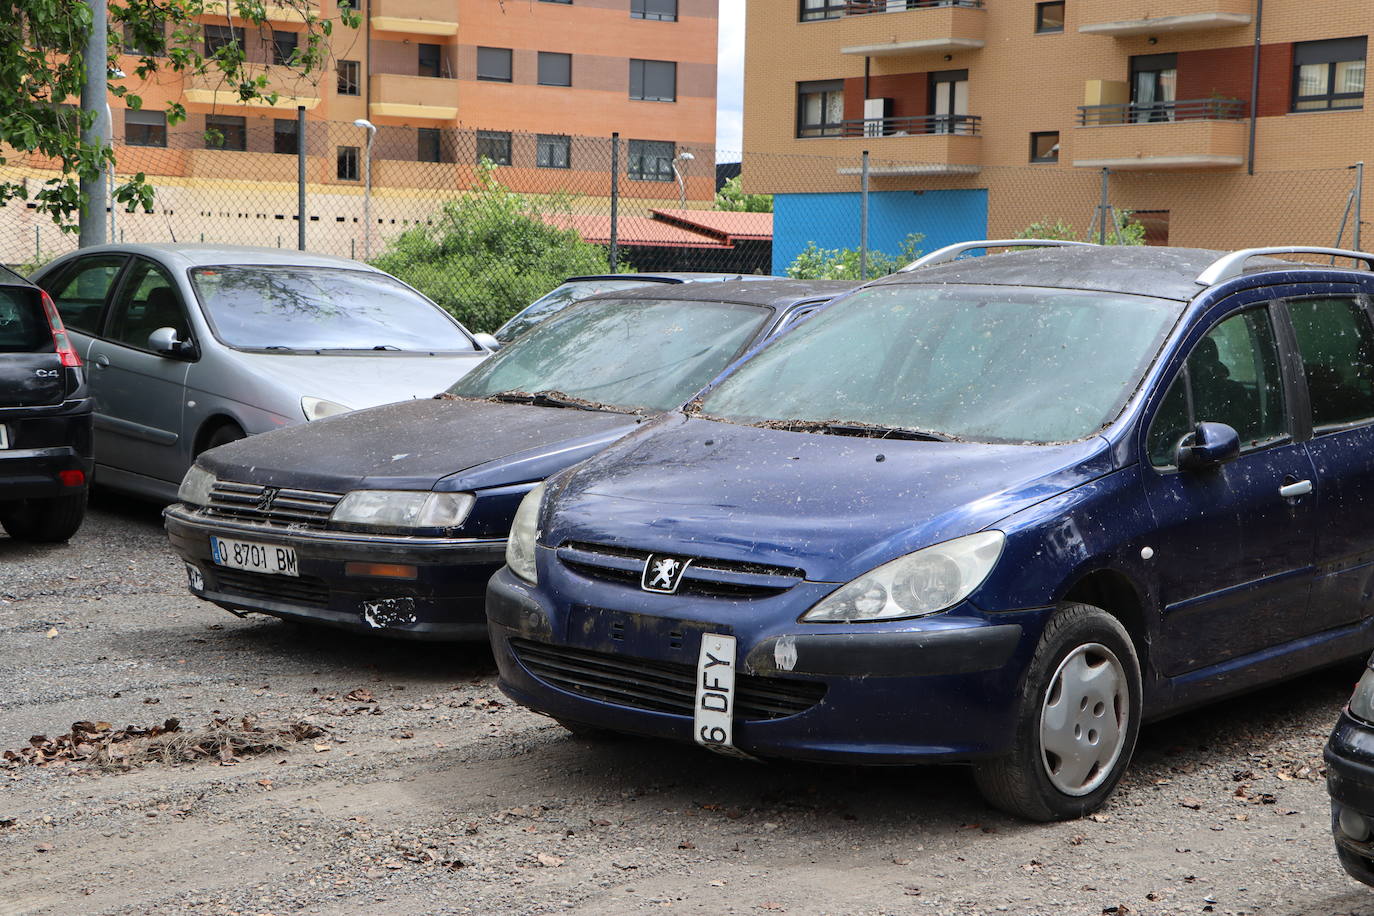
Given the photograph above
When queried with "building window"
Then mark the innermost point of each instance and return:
(286, 137)
(814, 10)
(664, 10)
(348, 163)
(552, 151)
(430, 61)
(283, 46)
(429, 145)
(1044, 146)
(350, 73)
(653, 80)
(1049, 17)
(555, 69)
(226, 132)
(494, 145)
(651, 160)
(133, 46)
(222, 36)
(145, 128)
(493, 64)
(1328, 74)
(820, 108)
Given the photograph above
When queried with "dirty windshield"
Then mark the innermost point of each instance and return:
(321, 308)
(624, 354)
(560, 298)
(996, 364)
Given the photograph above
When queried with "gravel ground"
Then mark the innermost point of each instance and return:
(430, 793)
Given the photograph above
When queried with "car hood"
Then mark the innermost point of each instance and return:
(360, 379)
(833, 506)
(454, 444)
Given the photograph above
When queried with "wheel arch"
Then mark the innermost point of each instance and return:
(209, 427)
(1114, 592)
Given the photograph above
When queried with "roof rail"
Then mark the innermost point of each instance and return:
(950, 252)
(1230, 266)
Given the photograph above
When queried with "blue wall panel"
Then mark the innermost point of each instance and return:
(832, 220)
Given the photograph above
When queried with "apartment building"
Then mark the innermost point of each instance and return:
(446, 82)
(984, 116)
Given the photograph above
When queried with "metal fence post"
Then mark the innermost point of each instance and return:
(1103, 210)
(1359, 201)
(615, 201)
(863, 218)
(300, 177)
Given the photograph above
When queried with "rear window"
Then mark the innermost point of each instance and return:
(23, 326)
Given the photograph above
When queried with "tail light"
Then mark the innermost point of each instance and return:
(65, 351)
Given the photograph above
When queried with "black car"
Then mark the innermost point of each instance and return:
(1350, 781)
(45, 418)
(391, 520)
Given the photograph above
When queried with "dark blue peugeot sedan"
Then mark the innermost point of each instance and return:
(997, 510)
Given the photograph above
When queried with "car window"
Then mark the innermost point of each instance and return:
(23, 326)
(1337, 347)
(80, 291)
(560, 298)
(147, 300)
(1232, 377)
(622, 353)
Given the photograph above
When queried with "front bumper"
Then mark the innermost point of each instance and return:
(1349, 756)
(915, 691)
(443, 601)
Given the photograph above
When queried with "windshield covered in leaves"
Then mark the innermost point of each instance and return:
(993, 364)
(321, 308)
(625, 354)
(557, 300)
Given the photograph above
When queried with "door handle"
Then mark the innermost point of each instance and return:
(1296, 488)
(101, 361)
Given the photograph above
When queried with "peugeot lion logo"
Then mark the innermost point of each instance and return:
(663, 574)
(268, 497)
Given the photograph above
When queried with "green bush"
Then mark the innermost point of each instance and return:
(491, 252)
(816, 263)
(1126, 231)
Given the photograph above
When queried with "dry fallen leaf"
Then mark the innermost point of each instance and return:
(321, 748)
(549, 861)
(52, 632)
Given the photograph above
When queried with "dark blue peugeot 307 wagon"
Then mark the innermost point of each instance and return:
(996, 510)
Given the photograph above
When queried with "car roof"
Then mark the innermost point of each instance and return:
(195, 255)
(680, 276)
(774, 293)
(1167, 273)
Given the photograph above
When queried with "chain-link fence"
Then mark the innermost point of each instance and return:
(486, 221)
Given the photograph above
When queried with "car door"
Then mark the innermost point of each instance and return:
(1232, 556)
(140, 394)
(1335, 341)
(80, 288)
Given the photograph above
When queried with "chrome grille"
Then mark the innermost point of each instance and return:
(705, 576)
(658, 686)
(287, 507)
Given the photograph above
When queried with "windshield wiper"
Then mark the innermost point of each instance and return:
(547, 399)
(854, 428)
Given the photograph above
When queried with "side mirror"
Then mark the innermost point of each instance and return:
(487, 341)
(1209, 446)
(164, 342)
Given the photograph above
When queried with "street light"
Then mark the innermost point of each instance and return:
(677, 172)
(367, 185)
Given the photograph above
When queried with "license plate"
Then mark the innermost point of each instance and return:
(263, 558)
(713, 717)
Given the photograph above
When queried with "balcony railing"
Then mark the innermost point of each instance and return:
(959, 125)
(838, 9)
(1159, 112)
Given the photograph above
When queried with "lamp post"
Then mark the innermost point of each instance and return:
(677, 173)
(367, 185)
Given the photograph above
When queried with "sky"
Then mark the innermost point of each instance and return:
(730, 79)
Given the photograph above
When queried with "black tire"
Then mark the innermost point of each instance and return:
(50, 521)
(1100, 667)
(222, 435)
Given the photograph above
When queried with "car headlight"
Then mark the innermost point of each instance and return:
(1362, 700)
(524, 530)
(319, 408)
(195, 486)
(924, 582)
(402, 509)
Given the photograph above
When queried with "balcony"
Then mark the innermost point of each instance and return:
(1191, 134)
(948, 145)
(877, 28)
(284, 11)
(1123, 18)
(292, 89)
(959, 125)
(416, 17)
(428, 97)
